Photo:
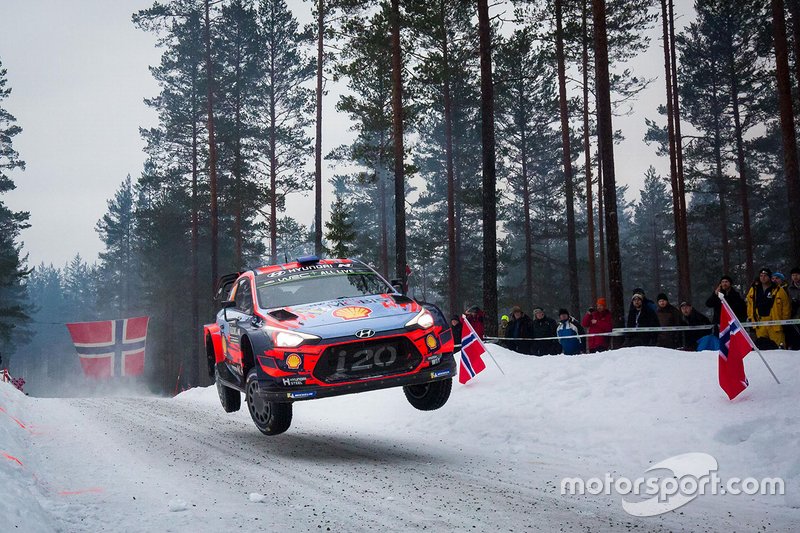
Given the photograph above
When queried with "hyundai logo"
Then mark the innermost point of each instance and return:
(365, 333)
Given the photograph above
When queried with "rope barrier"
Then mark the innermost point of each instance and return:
(617, 332)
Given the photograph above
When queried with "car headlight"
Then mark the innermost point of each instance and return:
(424, 320)
(289, 339)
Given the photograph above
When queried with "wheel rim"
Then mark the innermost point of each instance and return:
(418, 391)
(259, 409)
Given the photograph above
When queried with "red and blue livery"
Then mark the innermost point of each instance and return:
(315, 328)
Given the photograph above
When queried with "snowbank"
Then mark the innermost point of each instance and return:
(21, 489)
(619, 412)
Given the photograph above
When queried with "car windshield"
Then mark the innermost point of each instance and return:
(317, 286)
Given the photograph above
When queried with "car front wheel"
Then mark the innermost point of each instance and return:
(429, 396)
(271, 418)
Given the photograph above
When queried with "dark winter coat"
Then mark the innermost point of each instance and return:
(546, 327)
(642, 318)
(690, 338)
(669, 316)
(457, 331)
(734, 299)
(520, 328)
(567, 332)
(794, 295)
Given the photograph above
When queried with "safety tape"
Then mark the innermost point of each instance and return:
(616, 332)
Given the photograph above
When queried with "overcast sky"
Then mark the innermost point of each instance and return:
(79, 72)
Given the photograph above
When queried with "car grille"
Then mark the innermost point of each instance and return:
(367, 359)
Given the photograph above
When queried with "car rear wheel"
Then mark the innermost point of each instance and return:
(271, 418)
(429, 396)
(231, 399)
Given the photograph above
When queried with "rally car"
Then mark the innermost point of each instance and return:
(316, 328)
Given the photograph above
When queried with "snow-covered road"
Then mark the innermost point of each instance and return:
(491, 460)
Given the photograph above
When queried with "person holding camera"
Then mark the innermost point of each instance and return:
(598, 320)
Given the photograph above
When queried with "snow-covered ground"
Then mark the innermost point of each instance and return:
(492, 459)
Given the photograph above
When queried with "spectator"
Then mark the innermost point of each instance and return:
(732, 296)
(544, 327)
(519, 327)
(793, 331)
(455, 326)
(647, 301)
(641, 316)
(668, 316)
(779, 279)
(768, 301)
(503, 327)
(476, 317)
(598, 320)
(692, 317)
(567, 333)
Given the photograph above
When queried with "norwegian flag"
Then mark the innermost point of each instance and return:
(472, 350)
(111, 348)
(734, 345)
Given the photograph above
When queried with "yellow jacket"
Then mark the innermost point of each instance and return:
(781, 305)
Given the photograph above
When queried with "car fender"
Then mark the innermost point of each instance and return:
(261, 343)
(212, 331)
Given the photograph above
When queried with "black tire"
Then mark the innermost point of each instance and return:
(231, 399)
(429, 396)
(271, 418)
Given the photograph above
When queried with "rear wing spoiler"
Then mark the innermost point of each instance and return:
(223, 288)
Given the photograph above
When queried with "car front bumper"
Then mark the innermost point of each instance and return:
(274, 391)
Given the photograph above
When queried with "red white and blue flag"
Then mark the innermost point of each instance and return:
(111, 348)
(734, 345)
(472, 350)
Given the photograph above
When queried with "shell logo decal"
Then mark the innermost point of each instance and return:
(352, 312)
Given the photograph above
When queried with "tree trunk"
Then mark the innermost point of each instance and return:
(794, 9)
(195, 354)
(237, 164)
(720, 180)
(397, 130)
(743, 186)
(587, 152)
(566, 157)
(790, 162)
(673, 165)
(452, 276)
(489, 171)
(318, 141)
(382, 218)
(682, 236)
(273, 167)
(606, 134)
(212, 154)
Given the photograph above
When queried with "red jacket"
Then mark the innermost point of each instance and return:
(476, 321)
(604, 324)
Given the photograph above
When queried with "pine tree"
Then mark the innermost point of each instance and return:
(286, 108)
(14, 307)
(340, 230)
(119, 264)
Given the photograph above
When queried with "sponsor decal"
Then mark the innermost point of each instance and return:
(301, 395)
(431, 342)
(294, 381)
(352, 312)
(293, 361)
(440, 373)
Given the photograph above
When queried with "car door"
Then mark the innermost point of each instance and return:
(238, 320)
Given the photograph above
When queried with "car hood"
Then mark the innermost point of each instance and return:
(345, 316)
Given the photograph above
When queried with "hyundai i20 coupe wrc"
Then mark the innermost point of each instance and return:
(316, 328)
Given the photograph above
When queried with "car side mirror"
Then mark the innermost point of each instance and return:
(227, 304)
(397, 284)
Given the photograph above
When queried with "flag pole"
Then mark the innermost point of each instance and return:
(747, 335)
(466, 321)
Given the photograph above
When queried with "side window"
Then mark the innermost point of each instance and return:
(244, 297)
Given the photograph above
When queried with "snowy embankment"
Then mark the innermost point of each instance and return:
(494, 455)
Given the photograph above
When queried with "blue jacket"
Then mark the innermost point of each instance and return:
(568, 331)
